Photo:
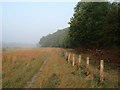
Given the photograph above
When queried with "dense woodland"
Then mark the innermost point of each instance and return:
(93, 25)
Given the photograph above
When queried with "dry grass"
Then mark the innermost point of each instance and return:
(19, 66)
(111, 73)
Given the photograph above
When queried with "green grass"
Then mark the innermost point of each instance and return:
(52, 82)
(18, 77)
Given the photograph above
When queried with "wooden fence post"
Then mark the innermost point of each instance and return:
(101, 71)
(87, 62)
(69, 58)
(66, 56)
(79, 59)
(73, 60)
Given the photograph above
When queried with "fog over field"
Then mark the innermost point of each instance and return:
(18, 45)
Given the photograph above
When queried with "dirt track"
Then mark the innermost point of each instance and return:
(55, 72)
(47, 68)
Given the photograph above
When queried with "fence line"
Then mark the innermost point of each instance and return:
(68, 57)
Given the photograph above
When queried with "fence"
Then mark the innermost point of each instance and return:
(70, 58)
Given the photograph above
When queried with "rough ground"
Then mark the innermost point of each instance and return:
(55, 72)
(29, 83)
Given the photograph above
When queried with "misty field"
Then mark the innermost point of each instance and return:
(48, 68)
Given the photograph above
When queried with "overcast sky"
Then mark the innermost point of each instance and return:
(25, 21)
(28, 22)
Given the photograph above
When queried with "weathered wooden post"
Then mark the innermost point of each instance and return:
(87, 65)
(69, 58)
(66, 56)
(101, 71)
(79, 59)
(73, 60)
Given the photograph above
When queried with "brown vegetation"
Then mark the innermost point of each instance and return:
(21, 66)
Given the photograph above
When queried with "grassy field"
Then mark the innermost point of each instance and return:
(22, 66)
(19, 66)
(111, 72)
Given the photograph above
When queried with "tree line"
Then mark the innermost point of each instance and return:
(54, 40)
(93, 25)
